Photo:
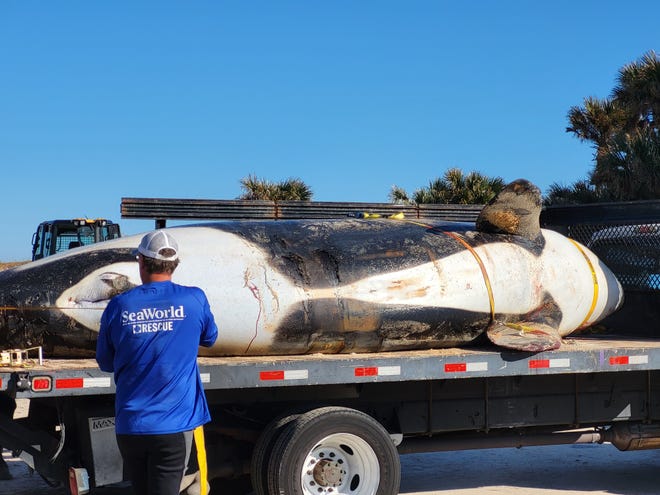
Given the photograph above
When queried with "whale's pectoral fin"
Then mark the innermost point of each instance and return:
(524, 336)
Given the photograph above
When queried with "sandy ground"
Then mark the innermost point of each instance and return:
(4, 265)
(566, 470)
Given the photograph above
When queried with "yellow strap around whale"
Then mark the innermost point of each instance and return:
(594, 299)
(466, 245)
(484, 273)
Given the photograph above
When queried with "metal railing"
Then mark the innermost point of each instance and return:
(162, 209)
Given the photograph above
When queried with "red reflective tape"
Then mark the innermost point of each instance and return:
(0, 383)
(539, 363)
(455, 367)
(69, 383)
(371, 371)
(618, 360)
(271, 375)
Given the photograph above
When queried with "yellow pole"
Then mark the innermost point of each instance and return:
(201, 459)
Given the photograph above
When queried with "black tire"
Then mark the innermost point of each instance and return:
(334, 450)
(262, 452)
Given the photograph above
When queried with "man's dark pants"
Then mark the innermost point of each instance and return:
(155, 463)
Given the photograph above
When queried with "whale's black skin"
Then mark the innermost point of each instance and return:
(340, 285)
(38, 285)
(400, 328)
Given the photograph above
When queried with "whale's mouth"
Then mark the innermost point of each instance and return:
(88, 304)
(85, 301)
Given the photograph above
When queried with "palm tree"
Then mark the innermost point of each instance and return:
(287, 190)
(293, 190)
(399, 196)
(597, 120)
(639, 89)
(453, 188)
(631, 166)
(580, 192)
(625, 132)
(480, 189)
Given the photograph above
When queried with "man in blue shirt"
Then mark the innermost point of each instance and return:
(149, 338)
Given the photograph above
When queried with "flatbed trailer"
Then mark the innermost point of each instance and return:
(577, 355)
(337, 423)
(428, 400)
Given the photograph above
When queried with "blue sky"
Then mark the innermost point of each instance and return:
(104, 100)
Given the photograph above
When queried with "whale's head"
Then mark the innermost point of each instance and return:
(39, 307)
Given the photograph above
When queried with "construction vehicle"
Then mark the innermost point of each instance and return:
(55, 236)
(336, 423)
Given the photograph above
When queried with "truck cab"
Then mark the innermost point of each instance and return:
(55, 236)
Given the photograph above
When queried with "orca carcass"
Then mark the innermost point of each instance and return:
(347, 285)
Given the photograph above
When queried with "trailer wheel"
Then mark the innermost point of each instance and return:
(262, 452)
(334, 451)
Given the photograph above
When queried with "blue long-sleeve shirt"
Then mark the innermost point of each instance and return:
(149, 338)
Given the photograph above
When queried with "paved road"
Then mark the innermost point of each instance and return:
(566, 470)
(575, 470)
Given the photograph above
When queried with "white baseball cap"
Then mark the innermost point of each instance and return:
(155, 242)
